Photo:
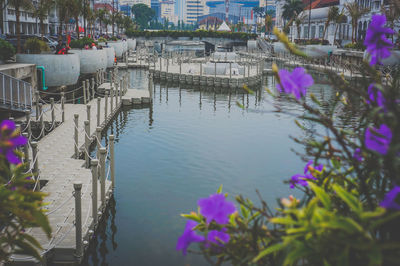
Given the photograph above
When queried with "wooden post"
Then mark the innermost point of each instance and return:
(103, 152)
(37, 104)
(160, 64)
(230, 70)
(167, 64)
(62, 107)
(93, 87)
(26, 148)
(112, 160)
(36, 161)
(180, 65)
(88, 116)
(111, 99)
(121, 91)
(105, 106)
(98, 140)
(88, 90)
(94, 164)
(201, 69)
(78, 219)
(84, 91)
(87, 142)
(215, 69)
(98, 111)
(28, 122)
(116, 97)
(53, 116)
(76, 117)
(41, 116)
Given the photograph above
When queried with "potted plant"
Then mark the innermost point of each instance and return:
(7, 51)
(90, 60)
(59, 69)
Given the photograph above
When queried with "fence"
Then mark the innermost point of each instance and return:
(15, 94)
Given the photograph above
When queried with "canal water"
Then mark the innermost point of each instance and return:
(182, 149)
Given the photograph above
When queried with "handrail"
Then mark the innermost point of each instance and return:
(15, 94)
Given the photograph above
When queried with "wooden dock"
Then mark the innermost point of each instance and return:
(58, 166)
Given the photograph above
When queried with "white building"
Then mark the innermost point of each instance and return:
(195, 9)
(135, 2)
(168, 11)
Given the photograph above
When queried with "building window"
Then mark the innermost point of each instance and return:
(321, 31)
(312, 32)
(305, 35)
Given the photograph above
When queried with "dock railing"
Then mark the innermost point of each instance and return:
(15, 94)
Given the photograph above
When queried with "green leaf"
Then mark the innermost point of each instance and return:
(192, 216)
(268, 250)
(219, 191)
(43, 222)
(282, 220)
(245, 212)
(321, 195)
(348, 198)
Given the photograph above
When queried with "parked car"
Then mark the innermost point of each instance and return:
(13, 40)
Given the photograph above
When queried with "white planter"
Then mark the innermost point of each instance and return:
(110, 56)
(125, 46)
(279, 47)
(59, 69)
(393, 59)
(131, 44)
(118, 47)
(91, 60)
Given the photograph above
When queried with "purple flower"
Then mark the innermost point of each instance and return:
(375, 40)
(357, 155)
(309, 166)
(221, 235)
(10, 140)
(389, 202)
(375, 96)
(216, 208)
(188, 237)
(295, 83)
(378, 139)
(300, 180)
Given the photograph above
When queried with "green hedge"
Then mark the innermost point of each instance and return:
(357, 46)
(6, 50)
(192, 34)
(35, 46)
(82, 42)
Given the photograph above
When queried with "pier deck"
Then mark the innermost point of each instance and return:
(59, 167)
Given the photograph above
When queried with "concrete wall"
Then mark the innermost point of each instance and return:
(91, 60)
(26, 72)
(59, 69)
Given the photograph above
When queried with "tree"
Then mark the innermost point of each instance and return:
(291, 9)
(18, 5)
(333, 12)
(392, 13)
(340, 18)
(101, 15)
(63, 15)
(41, 11)
(143, 14)
(268, 24)
(75, 9)
(298, 21)
(355, 12)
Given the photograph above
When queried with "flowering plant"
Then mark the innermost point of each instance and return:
(351, 205)
(20, 206)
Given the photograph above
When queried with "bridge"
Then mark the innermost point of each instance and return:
(15, 94)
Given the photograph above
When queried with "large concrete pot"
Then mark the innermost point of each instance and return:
(317, 50)
(279, 47)
(392, 60)
(125, 46)
(59, 69)
(118, 47)
(131, 44)
(91, 60)
(110, 56)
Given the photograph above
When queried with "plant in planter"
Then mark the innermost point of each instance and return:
(113, 38)
(6, 50)
(81, 43)
(101, 39)
(35, 46)
(356, 46)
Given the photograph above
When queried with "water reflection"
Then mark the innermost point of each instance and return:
(182, 148)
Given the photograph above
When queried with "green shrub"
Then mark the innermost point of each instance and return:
(80, 44)
(6, 50)
(113, 38)
(357, 46)
(35, 46)
(192, 34)
(101, 39)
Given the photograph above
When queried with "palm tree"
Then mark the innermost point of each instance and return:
(355, 12)
(291, 9)
(268, 24)
(298, 21)
(101, 15)
(41, 11)
(333, 12)
(91, 20)
(63, 15)
(339, 19)
(18, 5)
(392, 13)
(75, 9)
(119, 21)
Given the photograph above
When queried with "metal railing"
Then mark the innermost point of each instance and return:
(15, 94)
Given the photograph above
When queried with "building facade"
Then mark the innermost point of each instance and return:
(167, 10)
(195, 9)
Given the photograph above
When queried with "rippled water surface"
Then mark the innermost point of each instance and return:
(182, 149)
